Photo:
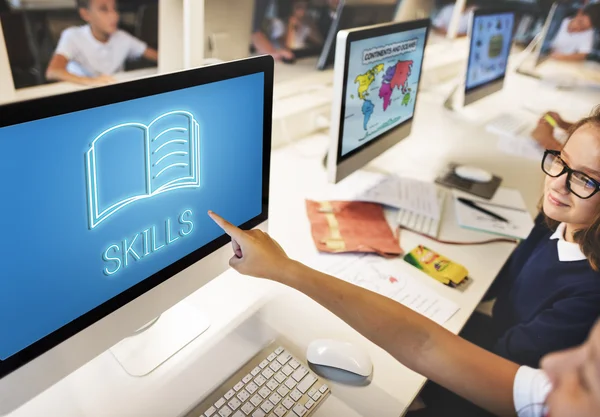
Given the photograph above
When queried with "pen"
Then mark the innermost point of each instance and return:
(550, 120)
(472, 204)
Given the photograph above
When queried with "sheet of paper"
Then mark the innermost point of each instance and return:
(507, 203)
(384, 277)
(405, 193)
(520, 146)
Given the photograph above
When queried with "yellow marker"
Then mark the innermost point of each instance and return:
(550, 120)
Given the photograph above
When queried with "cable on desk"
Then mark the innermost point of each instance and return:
(450, 242)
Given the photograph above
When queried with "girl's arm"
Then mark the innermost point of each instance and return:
(420, 344)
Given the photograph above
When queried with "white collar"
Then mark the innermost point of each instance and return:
(567, 251)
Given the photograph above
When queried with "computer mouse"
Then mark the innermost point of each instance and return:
(339, 355)
(474, 174)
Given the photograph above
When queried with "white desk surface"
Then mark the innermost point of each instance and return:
(45, 90)
(247, 313)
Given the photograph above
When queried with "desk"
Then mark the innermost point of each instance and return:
(46, 90)
(256, 311)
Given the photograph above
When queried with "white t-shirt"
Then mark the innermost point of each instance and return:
(530, 390)
(573, 43)
(444, 17)
(88, 57)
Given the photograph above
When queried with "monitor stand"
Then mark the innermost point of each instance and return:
(156, 342)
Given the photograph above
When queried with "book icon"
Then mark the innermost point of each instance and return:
(133, 161)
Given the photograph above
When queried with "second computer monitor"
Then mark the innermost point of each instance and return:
(491, 34)
(377, 75)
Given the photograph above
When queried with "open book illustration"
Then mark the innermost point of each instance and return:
(132, 161)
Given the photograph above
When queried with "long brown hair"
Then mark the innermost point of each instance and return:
(588, 238)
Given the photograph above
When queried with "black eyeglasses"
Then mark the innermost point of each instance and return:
(580, 184)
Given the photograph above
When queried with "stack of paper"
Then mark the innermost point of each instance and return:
(386, 278)
(507, 203)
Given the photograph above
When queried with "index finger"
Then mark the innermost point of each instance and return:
(227, 227)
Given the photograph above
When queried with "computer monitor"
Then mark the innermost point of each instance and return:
(227, 29)
(541, 46)
(408, 10)
(376, 84)
(105, 222)
(491, 33)
(351, 14)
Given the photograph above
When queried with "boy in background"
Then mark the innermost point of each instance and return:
(575, 38)
(92, 53)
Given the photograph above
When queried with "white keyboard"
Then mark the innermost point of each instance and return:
(272, 384)
(509, 124)
(421, 223)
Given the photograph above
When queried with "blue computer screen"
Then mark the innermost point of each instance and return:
(491, 39)
(96, 201)
(381, 89)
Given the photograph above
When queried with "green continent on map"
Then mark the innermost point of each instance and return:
(365, 80)
(406, 99)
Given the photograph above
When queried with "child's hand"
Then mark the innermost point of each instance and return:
(100, 80)
(544, 135)
(564, 125)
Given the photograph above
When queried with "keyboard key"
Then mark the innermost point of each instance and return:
(238, 414)
(260, 380)
(272, 384)
(312, 392)
(263, 364)
(267, 373)
(247, 379)
(317, 396)
(220, 403)
(280, 377)
(295, 395)
(255, 371)
(278, 350)
(283, 358)
(225, 411)
(229, 394)
(234, 404)
(287, 370)
(267, 406)
(288, 403)
(323, 389)
(258, 413)
(300, 373)
(238, 386)
(306, 383)
(252, 388)
(247, 408)
(300, 410)
(272, 357)
(256, 400)
(280, 411)
(243, 395)
(275, 398)
(290, 383)
(294, 364)
(264, 392)
(309, 404)
(283, 391)
(275, 366)
(211, 411)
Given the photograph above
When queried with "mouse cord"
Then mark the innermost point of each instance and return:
(450, 242)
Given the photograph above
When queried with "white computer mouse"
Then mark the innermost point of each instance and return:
(339, 355)
(474, 174)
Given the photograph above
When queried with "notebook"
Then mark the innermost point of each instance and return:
(507, 202)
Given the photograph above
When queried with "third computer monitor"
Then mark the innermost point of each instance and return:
(352, 14)
(377, 74)
(491, 34)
